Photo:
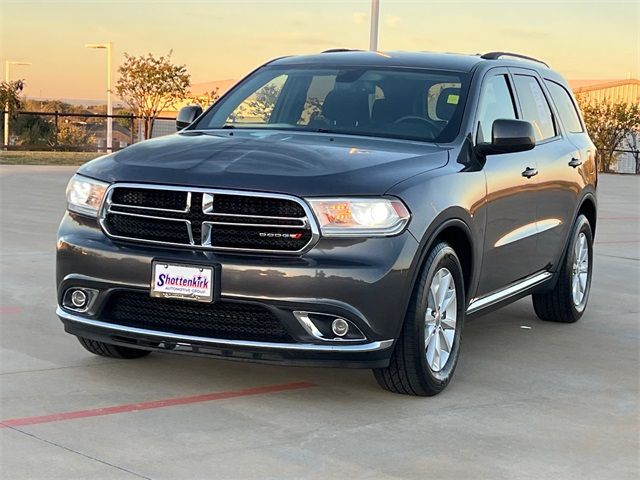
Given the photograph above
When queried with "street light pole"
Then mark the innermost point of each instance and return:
(7, 77)
(375, 18)
(107, 46)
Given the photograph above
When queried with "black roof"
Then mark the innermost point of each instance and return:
(438, 61)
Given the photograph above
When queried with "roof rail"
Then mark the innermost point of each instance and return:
(338, 50)
(497, 55)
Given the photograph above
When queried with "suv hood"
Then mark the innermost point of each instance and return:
(303, 164)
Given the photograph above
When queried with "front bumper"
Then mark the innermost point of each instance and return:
(366, 281)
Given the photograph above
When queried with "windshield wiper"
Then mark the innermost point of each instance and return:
(228, 127)
(324, 130)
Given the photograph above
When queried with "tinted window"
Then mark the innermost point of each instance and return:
(496, 102)
(535, 108)
(415, 104)
(566, 107)
(258, 106)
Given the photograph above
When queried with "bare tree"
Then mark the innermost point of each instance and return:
(205, 99)
(150, 85)
(633, 143)
(263, 103)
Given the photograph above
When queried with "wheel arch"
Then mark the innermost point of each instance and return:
(588, 209)
(456, 232)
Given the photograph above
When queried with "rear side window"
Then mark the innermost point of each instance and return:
(566, 107)
(496, 102)
(535, 108)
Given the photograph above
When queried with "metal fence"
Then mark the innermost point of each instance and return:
(627, 161)
(87, 132)
(80, 132)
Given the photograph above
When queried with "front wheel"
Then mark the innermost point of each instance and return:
(568, 300)
(426, 354)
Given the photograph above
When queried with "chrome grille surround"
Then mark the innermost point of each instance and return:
(109, 208)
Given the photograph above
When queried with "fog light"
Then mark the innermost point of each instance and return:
(340, 327)
(78, 299)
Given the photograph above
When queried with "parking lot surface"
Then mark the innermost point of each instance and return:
(530, 399)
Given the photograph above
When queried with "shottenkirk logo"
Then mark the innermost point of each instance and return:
(294, 236)
(197, 281)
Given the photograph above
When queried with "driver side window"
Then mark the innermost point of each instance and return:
(496, 102)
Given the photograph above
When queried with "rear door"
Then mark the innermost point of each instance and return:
(511, 197)
(572, 169)
(557, 193)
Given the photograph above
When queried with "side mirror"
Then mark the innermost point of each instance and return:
(187, 115)
(508, 136)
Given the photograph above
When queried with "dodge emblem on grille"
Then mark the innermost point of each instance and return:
(294, 236)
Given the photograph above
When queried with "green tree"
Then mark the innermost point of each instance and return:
(10, 97)
(34, 130)
(149, 85)
(609, 124)
(73, 137)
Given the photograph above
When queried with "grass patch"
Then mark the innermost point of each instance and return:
(46, 158)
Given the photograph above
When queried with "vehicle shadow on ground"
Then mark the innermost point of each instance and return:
(497, 334)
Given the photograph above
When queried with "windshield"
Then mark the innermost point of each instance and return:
(415, 104)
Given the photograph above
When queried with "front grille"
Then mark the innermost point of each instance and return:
(144, 197)
(148, 228)
(264, 206)
(224, 320)
(214, 219)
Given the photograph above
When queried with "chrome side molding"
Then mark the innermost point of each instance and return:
(513, 289)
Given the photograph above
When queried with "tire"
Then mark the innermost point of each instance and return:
(412, 370)
(112, 351)
(562, 304)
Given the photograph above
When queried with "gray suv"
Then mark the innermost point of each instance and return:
(348, 209)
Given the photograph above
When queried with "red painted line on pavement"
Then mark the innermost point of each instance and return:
(169, 402)
(10, 309)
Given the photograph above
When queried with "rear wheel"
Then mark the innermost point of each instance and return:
(568, 300)
(426, 354)
(111, 351)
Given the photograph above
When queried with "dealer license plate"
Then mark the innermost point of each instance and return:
(187, 282)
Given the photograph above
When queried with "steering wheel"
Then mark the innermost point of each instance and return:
(434, 130)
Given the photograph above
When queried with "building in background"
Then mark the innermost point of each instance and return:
(625, 91)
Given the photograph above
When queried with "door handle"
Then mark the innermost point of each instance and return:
(530, 172)
(575, 162)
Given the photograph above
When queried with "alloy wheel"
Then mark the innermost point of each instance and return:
(580, 271)
(440, 319)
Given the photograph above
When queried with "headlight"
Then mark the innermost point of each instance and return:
(84, 195)
(368, 217)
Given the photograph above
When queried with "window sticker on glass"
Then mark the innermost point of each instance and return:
(453, 99)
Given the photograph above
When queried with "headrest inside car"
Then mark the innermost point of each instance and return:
(345, 107)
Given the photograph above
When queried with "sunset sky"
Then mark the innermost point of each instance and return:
(224, 39)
